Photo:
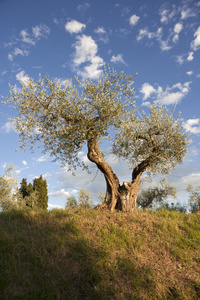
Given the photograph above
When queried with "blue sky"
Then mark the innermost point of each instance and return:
(159, 40)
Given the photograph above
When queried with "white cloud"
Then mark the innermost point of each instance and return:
(147, 90)
(41, 31)
(117, 59)
(170, 95)
(22, 77)
(175, 38)
(178, 27)
(10, 57)
(86, 52)
(187, 13)
(74, 26)
(52, 206)
(166, 15)
(157, 35)
(133, 20)
(190, 56)
(16, 52)
(193, 126)
(193, 178)
(8, 127)
(189, 73)
(102, 34)
(24, 162)
(195, 45)
(180, 59)
(164, 45)
(42, 158)
(61, 193)
(100, 30)
(26, 38)
(83, 7)
(47, 175)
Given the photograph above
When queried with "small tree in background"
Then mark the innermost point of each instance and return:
(24, 188)
(40, 186)
(194, 199)
(71, 202)
(32, 200)
(156, 196)
(10, 198)
(84, 200)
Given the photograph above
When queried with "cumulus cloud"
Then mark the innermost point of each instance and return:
(192, 125)
(16, 52)
(42, 158)
(26, 38)
(117, 59)
(195, 45)
(189, 73)
(134, 20)
(157, 35)
(102, 34)
(8, 127)
(86, 51)
(190, 56)
(52, 206)
(61, 193)
(24, 162)
(170, 95)
(74, 26)
(166, 15)
(41, 31)
(83, 7)
(177, 29)
(147, 90)
(22, 77)
(180, 59)
(187, 13)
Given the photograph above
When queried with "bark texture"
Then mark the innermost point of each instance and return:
(118, 197)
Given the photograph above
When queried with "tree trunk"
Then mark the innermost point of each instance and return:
(125, 198)
(118, 197)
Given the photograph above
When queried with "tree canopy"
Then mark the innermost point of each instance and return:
(82, 112)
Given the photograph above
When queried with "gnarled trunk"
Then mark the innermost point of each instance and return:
(125, 198)
(118, 197)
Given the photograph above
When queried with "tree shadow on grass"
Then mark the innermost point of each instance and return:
(45, 256)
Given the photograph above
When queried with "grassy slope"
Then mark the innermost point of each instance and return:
(90, 254)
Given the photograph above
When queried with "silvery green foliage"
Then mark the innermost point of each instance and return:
(63, 119)
(9, 196)
(157, 195)
(71, 202)
(85, 199)
(156, 140)
(194, 198)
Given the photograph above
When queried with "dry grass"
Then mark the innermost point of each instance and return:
(91, 254)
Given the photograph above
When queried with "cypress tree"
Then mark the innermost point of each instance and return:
(24, 188)
(40, 185)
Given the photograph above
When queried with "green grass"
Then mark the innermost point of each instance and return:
(93, 254)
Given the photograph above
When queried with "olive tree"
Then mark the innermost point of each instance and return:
(194, 198)
(83, 112)
(10, 198)
(150, 197)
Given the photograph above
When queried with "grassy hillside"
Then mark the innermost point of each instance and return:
(90, 254)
